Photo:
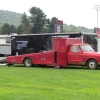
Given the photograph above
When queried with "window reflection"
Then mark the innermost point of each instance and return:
(87, 48)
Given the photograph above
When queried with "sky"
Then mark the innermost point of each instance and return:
(75, 12)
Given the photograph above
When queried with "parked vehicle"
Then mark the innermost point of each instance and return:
(62, 51)
(5, 45)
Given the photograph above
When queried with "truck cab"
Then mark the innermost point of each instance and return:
(83, 54)
(76, 53)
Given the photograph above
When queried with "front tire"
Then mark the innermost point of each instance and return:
(28, 62)
(92, 64)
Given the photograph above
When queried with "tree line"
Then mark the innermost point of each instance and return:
(35, 23)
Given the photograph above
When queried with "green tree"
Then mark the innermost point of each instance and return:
(52, 24)
(6, 29)
(0, 29)
(49, 25)
(13, 29)
(37, 20)
(19, 29)
(25, 25)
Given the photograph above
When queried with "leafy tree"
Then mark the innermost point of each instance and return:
(6, 29)
(37, 20)
(0, 29)
(53, 23)
(19, 29)
(13, 29)
(49, 25)
(25, 25)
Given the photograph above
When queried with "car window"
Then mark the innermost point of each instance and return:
(87, 48)
(75, 48)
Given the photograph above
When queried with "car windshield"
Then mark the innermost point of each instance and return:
(87, 48)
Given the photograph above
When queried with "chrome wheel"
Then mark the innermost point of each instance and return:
(28, 62)
(92, 64)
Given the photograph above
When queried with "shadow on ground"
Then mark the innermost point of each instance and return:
(42, 66)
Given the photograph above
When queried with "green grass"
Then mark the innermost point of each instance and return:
(36, 83)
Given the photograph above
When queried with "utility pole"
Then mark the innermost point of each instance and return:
(97, 7)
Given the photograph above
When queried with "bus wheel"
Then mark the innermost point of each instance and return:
(92, 64)
(28, 62)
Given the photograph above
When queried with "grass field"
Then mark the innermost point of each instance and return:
(36, 83)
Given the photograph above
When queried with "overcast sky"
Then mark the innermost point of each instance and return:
(76, 12)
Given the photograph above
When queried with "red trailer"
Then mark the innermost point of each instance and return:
(66, 51)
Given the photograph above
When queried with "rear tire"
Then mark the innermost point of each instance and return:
(92, 64)
(28, 62)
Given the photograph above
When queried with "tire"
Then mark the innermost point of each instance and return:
(92, 64)
(28, 62)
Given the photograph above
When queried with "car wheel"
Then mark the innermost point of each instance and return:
(28, 62)
(92, 64)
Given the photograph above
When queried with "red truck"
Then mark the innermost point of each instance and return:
(66, 51)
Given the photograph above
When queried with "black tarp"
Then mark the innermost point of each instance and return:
(91, 39)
